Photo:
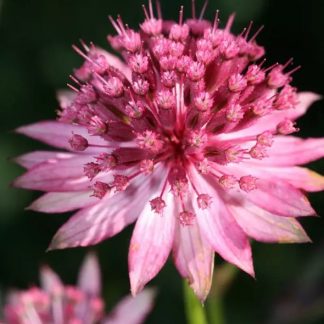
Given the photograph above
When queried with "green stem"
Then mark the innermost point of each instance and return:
(215, 309)
(195, 311)
(223, 278)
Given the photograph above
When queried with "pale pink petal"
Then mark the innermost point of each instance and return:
(280, 198)
(31, 159)
(306, 99)
(219, 227)
(298, 177)
(132, 310)
(61, 202)
(194, 259)
(108, 217)
(57, 134)
(65, 97)
(56, 175)
(89, 279)
(151, 244)
(50, 281)
(274, 194)
(290, 150)
(116, 62)
(270, 121)
(264, 226)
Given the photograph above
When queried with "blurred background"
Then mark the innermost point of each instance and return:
(36, 59)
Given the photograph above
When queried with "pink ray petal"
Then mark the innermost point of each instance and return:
(219, 227)
(65, 97)
(273, 193)
(291, 150)
(270, 121)
(29, 160)
(281, 198)
(194, 259)
(297, 177)
(50, 281)
(267, 227)
(56, 175)
(58, 134)
(116, 62)
(151, 244)
(132, 310)
(61, 202)
(108, 217)
(89, 279)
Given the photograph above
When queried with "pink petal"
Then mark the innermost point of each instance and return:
(61, 202)
(298, 177)
(151, 244)
(89, 279)
(306, 99)
(50, 281)
(274, 194)
(219, 227)
(116, 62)
(132, 310)
(194, 259)
(58, 134)
(280, 198)
(65, 97)
(270, 121)
(31, 159)
(267, 227)
(108, 217)
(56, 175)
(290, 150)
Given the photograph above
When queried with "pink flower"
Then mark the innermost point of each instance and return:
(57, 303)
(189, 137)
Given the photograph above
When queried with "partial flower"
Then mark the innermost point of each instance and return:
(56, 303)
(189, 135)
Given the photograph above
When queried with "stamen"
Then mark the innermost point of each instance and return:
(216, 21)
(203, 10)
(258, 151)
(287, 127)
(78, 142)
(203, 167)
(248, 183)
(227, 181)
(256, 34)
(193, 9)
(106, 161)
(230, 22)
(186, 218)
(181, 16)
(120, 182)
(145, 12)
(91, 169)
(204, 201)
(147, 166)
(118, 30)
(157, 205)
(149, 140)
(100, 189)
(248, 29)
(72, 88)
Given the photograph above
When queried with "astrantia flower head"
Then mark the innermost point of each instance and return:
(56, 303)
(188, 134)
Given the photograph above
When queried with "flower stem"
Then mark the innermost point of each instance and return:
(215, 310)
(195, 312)
(223, 278)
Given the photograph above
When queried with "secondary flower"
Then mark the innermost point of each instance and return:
(56, 303)
(189, 136)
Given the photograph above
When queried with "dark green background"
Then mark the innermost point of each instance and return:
(36, 59)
